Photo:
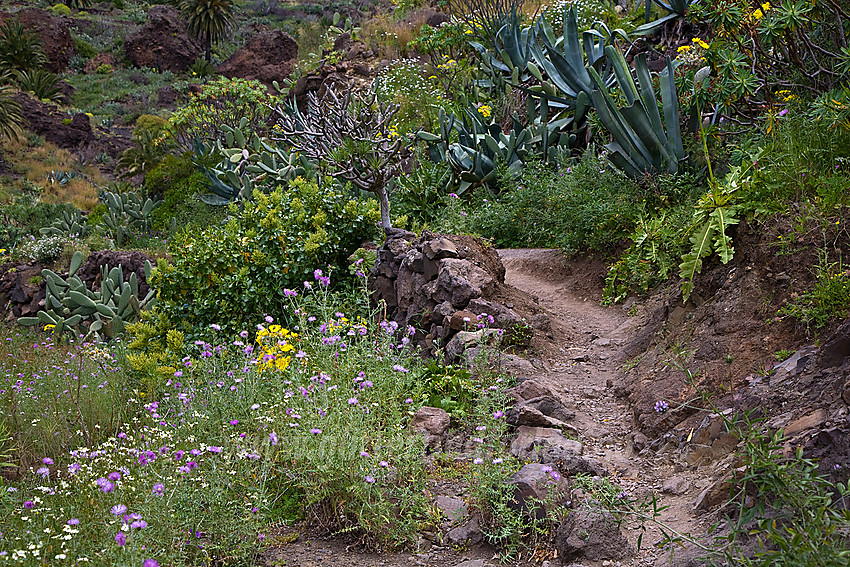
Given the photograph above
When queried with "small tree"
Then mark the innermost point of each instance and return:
(208, 20)
(351, 136)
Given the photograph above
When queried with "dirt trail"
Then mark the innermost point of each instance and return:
(581, 367)
(579, 361)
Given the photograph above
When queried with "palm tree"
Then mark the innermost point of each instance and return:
(20, 49)
(10, 112)
(209, 20)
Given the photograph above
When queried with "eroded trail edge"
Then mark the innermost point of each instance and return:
(580, 364)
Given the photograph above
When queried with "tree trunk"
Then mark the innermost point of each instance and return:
(208, 49)
(385, 210)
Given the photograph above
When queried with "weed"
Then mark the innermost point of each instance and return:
(828, 299)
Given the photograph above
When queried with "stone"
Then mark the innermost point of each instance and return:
(570, 465)
(809, 421)
(504, 318)
(462, 344)
(529, 389)
(434, 421)
(530, 440)
(675, 485)
(713, 495)
(453, 509)
(836, 348)
(467, 534)
(535, 484)
(48, 121)
(541, 322)
(440, 248)
(532, 417)
(591, 534)
(461, 281)
(266, 57)
(549, 406)
(130, 262)
(463, 321)
(163, 42)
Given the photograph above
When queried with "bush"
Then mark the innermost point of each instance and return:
(44, 250)
(177, 179)
(584, 208)
(60, 10)
(84, 49)
(404, 84)
(156, 125)
(223, 102)
(234, 274)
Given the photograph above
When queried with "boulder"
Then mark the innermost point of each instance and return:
(461, 281)
(530, 440)
(21, 290)
(267, 56)
(529, 389)
(836, 348)
(432, 423)
(467, 534)
(131, 263)
(591, 534)
(538, 488)
(57, 127)
(54, 33)
(163, 43)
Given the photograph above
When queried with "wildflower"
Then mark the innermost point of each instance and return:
(214, 449)
(29, 505)
(215, 327)
(150, 563)
(783, 112)
(47, 461)
(408, 401)
(178, 374)
(158, 489)
(120, 539)
(352, 401)
(118, 509)
(141, 524)
(315, 431)
(289, 293)
(44, 472)
(700, 42)
(108, 487)
(383, 464)
(370, 479)
(73, 522)
(114, 476)
(273, 438)
(498, 461)
(661, 406)
(400, 368)
(234, 421)
(269, 319)
(499, 414)
(477, 461)
(364, 454)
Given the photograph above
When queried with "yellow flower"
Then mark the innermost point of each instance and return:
(485, 110)
(683, 48)
(757, 15)
(49, 327)
(700, 42)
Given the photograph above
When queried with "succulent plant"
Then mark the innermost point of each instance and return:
(70, 224)
(71, 307)
(126, 212)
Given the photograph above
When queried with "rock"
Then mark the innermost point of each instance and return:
(267, 56)
(503, 317)
(591, 534)
(54, 33)
(462, 344)
(460, 281)
(809, 421)
(92, 64)
(21, 290)
(163, 43)
(463, 321)
(675, 485)
(453, 509)
(530, 440)
(440, 248)
(713, 495)
(570, 465)
(167, 96)
(836, 348)
(473, 563)
(432, 423)
(437, 19)
(514, 365)
(532, 417)
(549, 406)
(541, 322)
(529, 389)
(535, 484)
(467, 534)
(56, 127)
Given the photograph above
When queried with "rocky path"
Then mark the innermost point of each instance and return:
(579, 363)
(581, 368)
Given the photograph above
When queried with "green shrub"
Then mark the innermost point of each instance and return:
(583, 208)
(828, 299)
(156, 125)
(60, 10)
(234, 274)
(404, 83)
(178, 181)
(20, 49)
(223, 102)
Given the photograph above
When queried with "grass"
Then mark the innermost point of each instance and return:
(34, 160)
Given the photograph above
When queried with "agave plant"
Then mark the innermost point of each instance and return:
(676, 10)
(641, 144)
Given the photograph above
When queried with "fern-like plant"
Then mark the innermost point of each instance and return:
(41, 83)
(20, 50)
(10, 112)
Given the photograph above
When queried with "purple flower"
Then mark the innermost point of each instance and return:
(73, 522)
(370, 479)
(408, 401)
(499, 414)
(29, 505)
(783, 112)
(44, 472)
(141, 524)
(118, 509)
(289, 293)
(178, 374)
(74, 468)
(47, 461)
(120, 539)
(352, 401)
(114, 476)
(234, 421)
(273, 438)
(269, 319)
(400, 368)
(315, 431)
(477, 461)
(384, 464)
(108, 487)
(150, 563)
(307, 285)
(158, 489)
(215, 327)
(178, 455)
(214, 449)
(661, 406)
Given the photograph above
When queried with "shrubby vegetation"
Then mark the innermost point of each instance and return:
(261, 388)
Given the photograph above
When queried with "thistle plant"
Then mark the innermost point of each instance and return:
(351, 135)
